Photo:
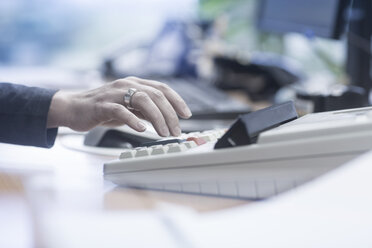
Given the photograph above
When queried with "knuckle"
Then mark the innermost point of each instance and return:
(115, 109)
(141, 96)
(154, 115)
(122, 83)
(132, 78)
(162, 87)
(117, 84)
(157, 94)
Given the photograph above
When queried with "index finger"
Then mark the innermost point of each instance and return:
(173, 97)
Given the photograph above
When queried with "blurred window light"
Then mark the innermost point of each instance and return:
(39, 32)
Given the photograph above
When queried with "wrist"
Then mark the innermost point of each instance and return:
(59, 114)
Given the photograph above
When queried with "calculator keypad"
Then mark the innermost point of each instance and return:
(186, 142)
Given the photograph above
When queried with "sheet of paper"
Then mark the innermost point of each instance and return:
(332, 211)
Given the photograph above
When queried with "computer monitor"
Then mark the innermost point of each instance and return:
(328, 19)
(316, 17)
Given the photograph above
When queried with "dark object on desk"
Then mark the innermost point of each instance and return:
(162, 142)
(349, 20)
(246, 129)
(342, 97)
(113, 138)
(260, 79)
(205, 101)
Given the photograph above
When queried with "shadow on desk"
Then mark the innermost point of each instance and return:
(123, 198)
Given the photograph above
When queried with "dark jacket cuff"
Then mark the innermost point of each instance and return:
(23, 115)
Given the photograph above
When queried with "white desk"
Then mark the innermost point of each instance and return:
(72, 206)
(61, 180)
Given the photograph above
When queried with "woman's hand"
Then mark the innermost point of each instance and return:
(153, 101)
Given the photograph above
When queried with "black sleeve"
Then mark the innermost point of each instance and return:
(23, 115)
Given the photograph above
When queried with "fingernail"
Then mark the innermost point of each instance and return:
(141, 126)
(187, 113)
(177, 131)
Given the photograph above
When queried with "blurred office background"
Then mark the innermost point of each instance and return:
(76, 32)
(80, 34)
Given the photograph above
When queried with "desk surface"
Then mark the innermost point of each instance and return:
(333, 211)
(39, 185)
(68, 172)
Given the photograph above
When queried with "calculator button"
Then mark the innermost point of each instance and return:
(127, 154)
(176, 148)
(198, 141)
(208, 138)
(143, 152)
(159, 149)
(190, 144)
